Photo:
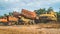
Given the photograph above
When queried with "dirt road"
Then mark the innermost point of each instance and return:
(30, 29)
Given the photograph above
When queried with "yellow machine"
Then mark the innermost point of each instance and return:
(25, 21)
(48, 16)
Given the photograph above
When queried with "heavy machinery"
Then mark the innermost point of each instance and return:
(28, 14)
(9, 20)
(27, 17)
(25, 21)
(48, 17)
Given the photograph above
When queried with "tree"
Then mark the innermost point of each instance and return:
(5, 15)
(1, 16)
(50, 9)
(58, 15)
(40, 11)
(10, 13)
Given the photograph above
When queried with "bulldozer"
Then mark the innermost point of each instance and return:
(9, 20)
(48, 17)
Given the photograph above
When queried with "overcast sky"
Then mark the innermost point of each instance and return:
(16, 5)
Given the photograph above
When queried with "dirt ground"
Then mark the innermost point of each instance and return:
(31, 29)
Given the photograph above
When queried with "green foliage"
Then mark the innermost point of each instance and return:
(58, 16)
(1, 16)
(40, 11)
(50, 9)
(5, 15)
(10, 13)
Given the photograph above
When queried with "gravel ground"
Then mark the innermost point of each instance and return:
(28, 29)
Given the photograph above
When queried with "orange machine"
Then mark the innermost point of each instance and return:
(3, 20)
(9, 20)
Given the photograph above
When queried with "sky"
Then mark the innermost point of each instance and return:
(7, 6)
